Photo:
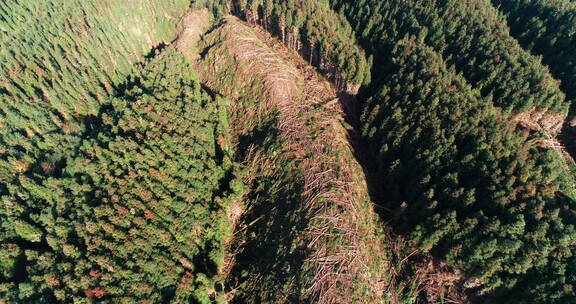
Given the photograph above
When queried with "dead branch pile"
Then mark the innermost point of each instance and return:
(191, 28)
(344, 254)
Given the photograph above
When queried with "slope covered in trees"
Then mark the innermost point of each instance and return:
(547, 28)
(473, 37)
(140, 214)
(323, 37)
(444, 202)
(59, 61)
(127, 178)
(67, 54)
(468, 185)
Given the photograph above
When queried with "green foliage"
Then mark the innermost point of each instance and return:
(489, 200)
(328, 40)
(121, 189)
(547, 28)
(59, 52)
(470, 35)
(59, 61)
(218, 8)
(9, 255)
(552, 283)
(141, 212)
(27, 231)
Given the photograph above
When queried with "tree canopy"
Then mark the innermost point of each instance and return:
(467, 185)
(140, 213)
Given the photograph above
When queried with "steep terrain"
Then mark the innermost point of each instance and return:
(141, 212)
(548, 28)
(454, 201)
(286, 151)
(474, 38)
(320, 35)
(333, 241)
(60, 62)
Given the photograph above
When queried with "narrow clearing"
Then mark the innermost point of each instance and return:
(342, 260)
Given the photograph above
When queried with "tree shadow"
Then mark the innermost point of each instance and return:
(364, 153)
(268, 250)
(568, 138)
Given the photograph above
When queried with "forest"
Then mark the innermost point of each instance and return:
(288, 151)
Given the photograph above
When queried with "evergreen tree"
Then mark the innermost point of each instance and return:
(467, 185)
(472, 36)
(547, 28)
(140, 214)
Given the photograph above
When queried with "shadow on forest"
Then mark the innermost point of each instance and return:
(385, 195)
(267, 247)
(568, 138)
(364, 154)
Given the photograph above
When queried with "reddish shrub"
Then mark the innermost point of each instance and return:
(148, 214)
(95, 273)
(97, 292)
(122, 210)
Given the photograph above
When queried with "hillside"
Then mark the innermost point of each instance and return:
(328, 207)
(287, 151)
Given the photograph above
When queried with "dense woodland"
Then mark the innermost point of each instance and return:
(547, 28)
(98, 203)
(140, 212)
(446, 154)
(132, 171)
(473, 37)
(322, 36)
(61, 61)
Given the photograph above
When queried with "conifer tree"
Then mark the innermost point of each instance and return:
(140, 213)
(491, 201)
